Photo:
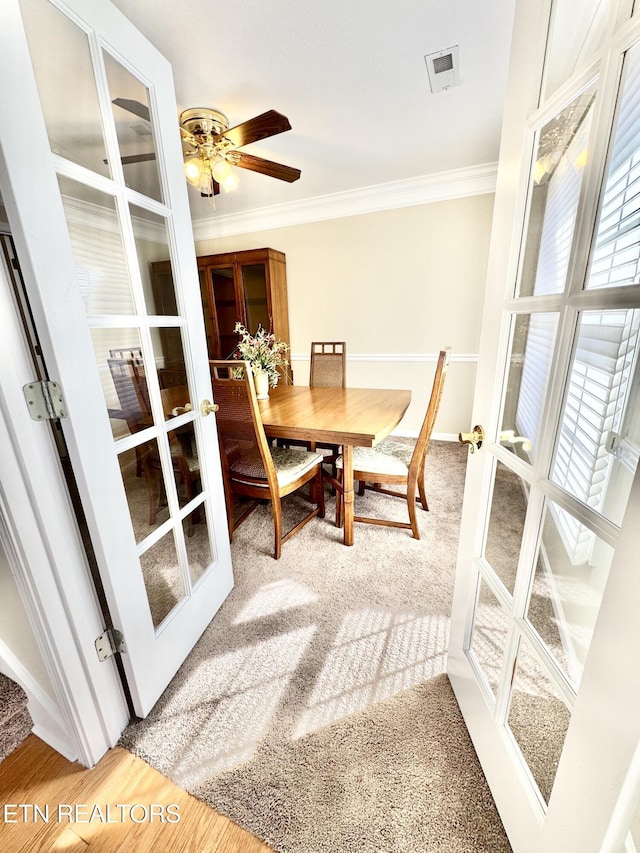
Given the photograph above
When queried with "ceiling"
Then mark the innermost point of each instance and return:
(353, 84)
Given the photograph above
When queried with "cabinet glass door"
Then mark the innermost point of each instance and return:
(225, 309)
(254, 294)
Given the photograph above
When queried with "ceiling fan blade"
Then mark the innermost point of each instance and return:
(137, 158)
(260, 127)
(265, 167)
(134, 107)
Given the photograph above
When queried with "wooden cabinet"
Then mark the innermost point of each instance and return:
(249, 286)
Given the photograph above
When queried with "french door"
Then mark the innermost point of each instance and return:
(93, 186)
(543, 655)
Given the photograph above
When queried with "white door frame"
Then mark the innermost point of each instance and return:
(45, 552)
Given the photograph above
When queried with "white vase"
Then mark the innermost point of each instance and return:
(261, 379)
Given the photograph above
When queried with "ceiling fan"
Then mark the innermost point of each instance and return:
(212, 146)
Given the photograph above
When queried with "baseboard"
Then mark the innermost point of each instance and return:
(436, 436)
(55, 739)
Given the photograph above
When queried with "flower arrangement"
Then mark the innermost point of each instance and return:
(262, 350)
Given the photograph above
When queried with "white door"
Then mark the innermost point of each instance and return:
(543, 652)
(83, 91)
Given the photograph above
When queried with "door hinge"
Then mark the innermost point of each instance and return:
(44, 400)
(109, 643)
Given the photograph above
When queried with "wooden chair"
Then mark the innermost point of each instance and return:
(250, 466)
(328, 364)
(328, 370)
(127, 352)
(133, 394)
(127, 374)
(394, 463)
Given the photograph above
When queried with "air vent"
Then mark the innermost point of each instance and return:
(443, 69)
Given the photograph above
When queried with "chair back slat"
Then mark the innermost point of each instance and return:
(130, 383)
(424, 437)
(127, 353)
(328, 364)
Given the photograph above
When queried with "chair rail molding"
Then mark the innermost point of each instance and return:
(440, 186)
(402, 357)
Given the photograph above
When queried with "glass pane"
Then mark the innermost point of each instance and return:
(152, 249)
(172, 372)
(599, 442)
(577, 33)
(538, 718)
(255, 297)
(226, 311)
(96, 240)
(529, 369)
(506, 524)
(571, 573)
(616, 252)
(553, 197)
(144, 486)
(212, 346)
(186, 465)
(131, 111)
(489, 637)
(196, 537)
(119, 356)
(163, 578)
(66, 85)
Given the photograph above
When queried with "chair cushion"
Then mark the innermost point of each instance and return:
(388, 457)
(292, 463)
(193, 463)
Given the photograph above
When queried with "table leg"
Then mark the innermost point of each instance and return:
(347, 497)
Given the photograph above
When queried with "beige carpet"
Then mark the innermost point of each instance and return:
(314, 710)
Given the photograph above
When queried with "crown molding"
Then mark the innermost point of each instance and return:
(441, 186)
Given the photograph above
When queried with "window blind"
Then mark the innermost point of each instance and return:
(536, 369)
(603, 364)
(560, 211)
(616, 259)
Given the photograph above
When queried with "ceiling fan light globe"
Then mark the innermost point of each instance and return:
(229, 183)
(193, 170)
(220, 170)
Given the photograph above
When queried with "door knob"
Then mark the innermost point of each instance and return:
(510, 436)
(206, 407)
(473, 439)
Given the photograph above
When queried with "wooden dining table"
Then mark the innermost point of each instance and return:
(351, 417)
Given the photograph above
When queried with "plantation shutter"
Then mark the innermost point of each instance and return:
(606, 346)
(536, 369)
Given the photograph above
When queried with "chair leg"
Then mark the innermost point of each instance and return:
(339, 507)
(423, 495)
(318, 487)
(276, 509)
(411, 503)
(361, 485)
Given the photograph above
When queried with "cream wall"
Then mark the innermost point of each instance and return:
(15, 631)
(396, 285)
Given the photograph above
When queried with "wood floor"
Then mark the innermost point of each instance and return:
(121, 805)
